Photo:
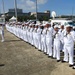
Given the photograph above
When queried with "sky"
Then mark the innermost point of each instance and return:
(61, 7)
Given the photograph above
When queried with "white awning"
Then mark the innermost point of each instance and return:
(13, 18)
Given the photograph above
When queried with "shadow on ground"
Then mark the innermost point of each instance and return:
(12, 40)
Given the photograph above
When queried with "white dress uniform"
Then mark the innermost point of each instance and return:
(43, 40)
(26, 37)
(28, 34)
(38, 37)
(31, 36)
(24, 33)
(14, 30)
(62, 44)
(69, 40)
(2, 33)
(34, 37)
(49, 41)
(57, 40)
(17, 31)
(21, 32)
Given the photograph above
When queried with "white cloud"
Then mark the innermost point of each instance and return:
(27, 5)
(30, 5)
(42, 1)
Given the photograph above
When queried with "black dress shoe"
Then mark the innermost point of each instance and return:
(46, 53)
(70, 65)
(64, 61)
(35, 48)
(40, 51)
(49, 56)
(32, 45)
(58, 60)
(73, 67)
(53, 58)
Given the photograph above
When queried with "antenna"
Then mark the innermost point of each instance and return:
(53, 14)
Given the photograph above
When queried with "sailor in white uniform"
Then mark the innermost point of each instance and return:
(2, 32)
(35, 35)
(38, 37)
(31, 34)
(29, 39)
(62, 30)
(23, 32)
(33, 27)
(26, 29)
(58, 38)
(43, 38)
(69, 40)
(49, 35)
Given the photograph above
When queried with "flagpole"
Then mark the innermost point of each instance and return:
(3, 7)
(36, 10)
(15, 3)
(3, 10)
(72, 12)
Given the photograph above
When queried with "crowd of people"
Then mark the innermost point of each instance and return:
(50, 39)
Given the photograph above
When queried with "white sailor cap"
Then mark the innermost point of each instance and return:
(69, 26)
(44, 24)
(56, 26)
(39, 23)
(36, 24)
(47, 23)
(30, 24)
(61, 25)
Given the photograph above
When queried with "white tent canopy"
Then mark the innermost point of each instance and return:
(13, 19)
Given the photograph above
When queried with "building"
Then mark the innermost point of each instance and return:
(20, 13)
(18, 10)
(42, 14)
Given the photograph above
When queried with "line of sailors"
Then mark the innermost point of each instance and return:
(50, 39)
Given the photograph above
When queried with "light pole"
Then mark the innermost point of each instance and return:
(15, 3)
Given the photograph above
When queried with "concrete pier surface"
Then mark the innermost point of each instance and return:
(19, 58)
